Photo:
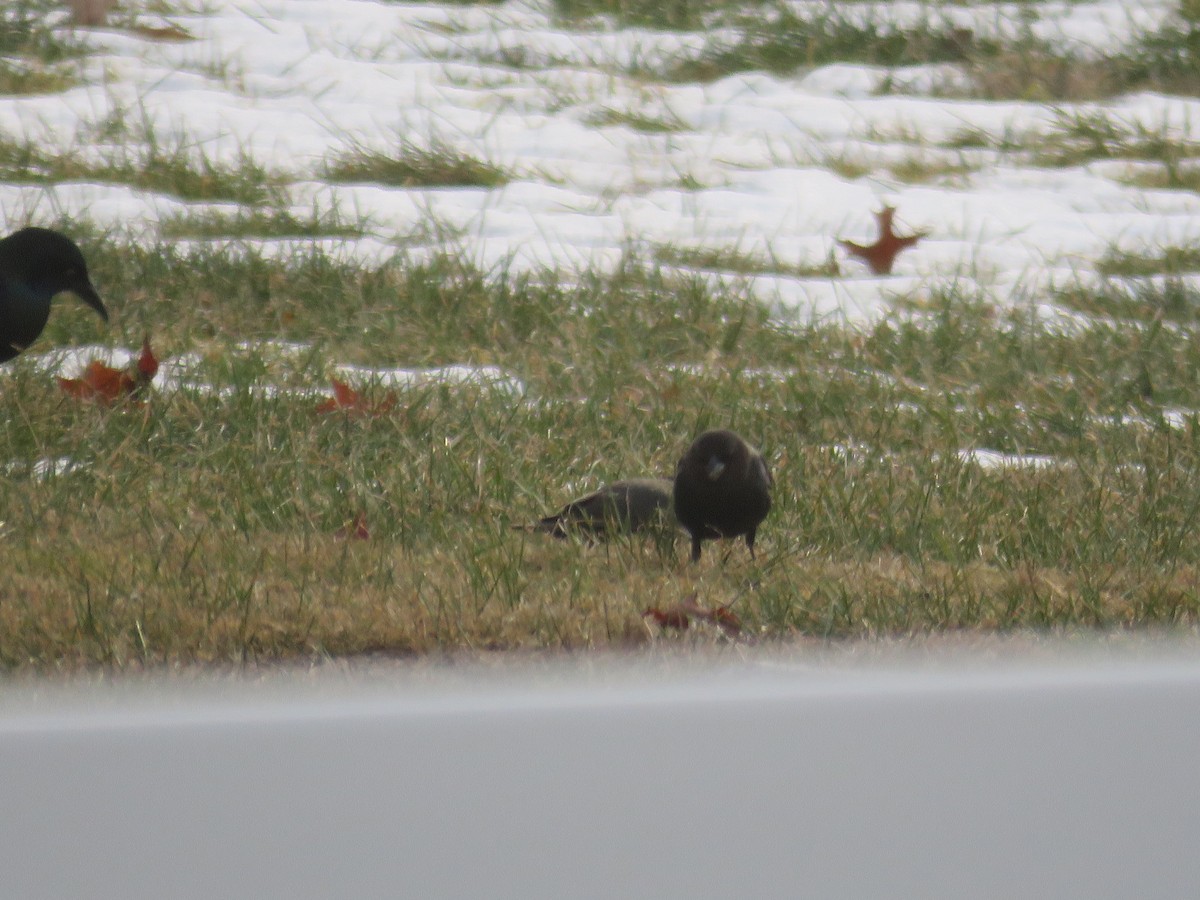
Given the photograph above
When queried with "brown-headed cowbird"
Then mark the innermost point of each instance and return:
(722, 489)
(623, 507)
(36, 264)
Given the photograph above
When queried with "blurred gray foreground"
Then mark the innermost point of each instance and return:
(1058, 774)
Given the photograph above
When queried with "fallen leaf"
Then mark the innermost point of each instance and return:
(107, 385)
(680, 615)
(356, 529)
(724, 618)
(672, 617)
(346, 399)
(147, 364)
(98, 382)
(721, 616)
(881, 255)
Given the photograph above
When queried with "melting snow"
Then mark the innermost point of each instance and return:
(491, 377)
(993, 459)
(44, 467)
(751, 164)
(184, 371)
(295, 83)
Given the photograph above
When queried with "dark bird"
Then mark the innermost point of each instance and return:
(722, 489)
(623, 507)
(36, 264)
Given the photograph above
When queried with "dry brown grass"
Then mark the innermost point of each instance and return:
(90, 12)
(202, 529)
(145, 598)
(1041, 77)
(172, 597)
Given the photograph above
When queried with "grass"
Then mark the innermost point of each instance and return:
(144, 554)
(726, 260)
(677, 15)
(919, 165)
(1170, 261)
(1167, 59)
(20, 77)
(1081, 137)
(1144, 288)
(665, 123)
(203, 526)
(260, 223)
(1170, 175)
(1170, 298)
(437, 164)
(1164, 157)
(35, 58)
(174, 167)
(383, 315)
(781, 38)
(27, 32)
(786, 39)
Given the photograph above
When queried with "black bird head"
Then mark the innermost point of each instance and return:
(48, 263)
(36, 264)
(720, 454)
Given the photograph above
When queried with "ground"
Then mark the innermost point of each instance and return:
(548, 244)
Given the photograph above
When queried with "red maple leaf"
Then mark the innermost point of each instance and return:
(721, 616)
(356, 529)
(147, 364)
(680, 615)
(881, 255)
(107, 385)
(672, 617)
(98, 382)
(346, 399)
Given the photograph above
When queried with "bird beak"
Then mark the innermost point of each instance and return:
(85, 292)
(715, 468)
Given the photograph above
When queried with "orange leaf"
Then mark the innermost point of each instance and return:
(107, 385)
(75, 387)
(727, 621)
(881, 255)
(356, 529)
(721, 616)
(344, 395)
(99, 382)
(349, 400)
(672, 617)
(147, 364)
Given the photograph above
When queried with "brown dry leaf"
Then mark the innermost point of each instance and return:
(681, 614)
(671, 617)
(99, 382)
(348, 400)
(356, 529)
(147, 364)
(107, 385)
(721, 616)
(881, 255)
